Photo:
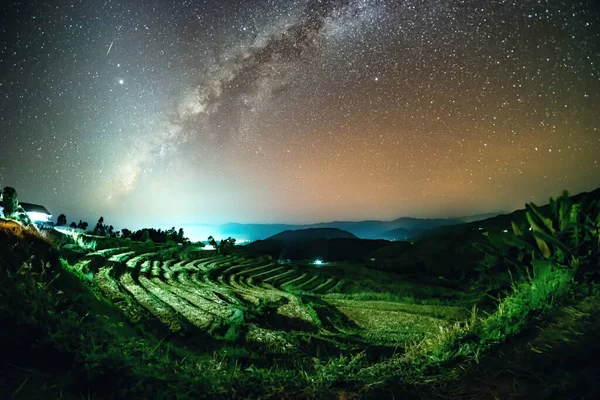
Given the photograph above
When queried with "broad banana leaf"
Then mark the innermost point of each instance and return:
(518, 242)
(564, 216)
(537, 220)
(549, 239)
(543, 246)
(516, 230)
(575, 213)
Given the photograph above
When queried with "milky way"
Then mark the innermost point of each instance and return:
(153, 113)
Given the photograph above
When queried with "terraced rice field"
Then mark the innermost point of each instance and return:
(214, 292)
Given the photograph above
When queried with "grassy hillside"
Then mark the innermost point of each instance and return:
(124, 320)
(145, 317)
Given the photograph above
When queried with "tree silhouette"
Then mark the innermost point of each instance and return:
(213, 243)
(82, 225)
(226, 246)
(100, 229)
(61, 220)
(73, 225)
(181, 237)
(10, 202)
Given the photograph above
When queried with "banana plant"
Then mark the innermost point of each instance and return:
(570, 235)
(567, 238)
(503, 255)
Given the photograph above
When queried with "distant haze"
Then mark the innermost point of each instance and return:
(362, 229)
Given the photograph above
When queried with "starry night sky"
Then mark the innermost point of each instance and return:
(165, 112)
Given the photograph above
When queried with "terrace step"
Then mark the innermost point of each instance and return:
(160, 310)
(207, 264)
(146, 266)
(108, 252)
(264, 275)
(279, 276)
(241, 267)
(122, 257)
(322, 288)
(338, 286)
(133, 262)
(111, 289)
(156, 270)
(203, 300)
(306, 285)
(249, 272)
(167, 264)
(191, 283)
(199, 318)
(292, 281)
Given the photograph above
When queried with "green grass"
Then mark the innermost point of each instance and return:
(467, 341)
(381, 332)
(531, 298)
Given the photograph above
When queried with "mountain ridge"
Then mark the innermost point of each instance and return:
(366, 229)
(312, 234)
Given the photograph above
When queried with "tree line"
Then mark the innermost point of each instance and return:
(141, 235)
(11, 209)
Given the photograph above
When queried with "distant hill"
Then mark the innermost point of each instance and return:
(372, 229)
(340, 249)
(448, 251)
(312, 234)
(503, 221)
(328, 244)
(445, 251)
(405, 228)
(493, 222)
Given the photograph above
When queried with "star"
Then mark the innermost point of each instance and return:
(298, 111)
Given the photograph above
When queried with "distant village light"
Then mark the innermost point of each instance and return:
(318, 262)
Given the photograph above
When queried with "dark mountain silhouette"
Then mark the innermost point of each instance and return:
(339, 249)
(497, 222)
(372, 229)
(448, 251)
(503, 221)
(400, 229)
(440, 251)
(312, 234)
(329, 244)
